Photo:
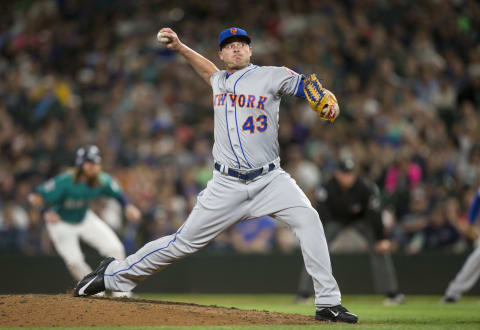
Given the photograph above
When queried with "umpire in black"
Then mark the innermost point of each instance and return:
(348, 200)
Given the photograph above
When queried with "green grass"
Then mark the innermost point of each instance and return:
(419, 312)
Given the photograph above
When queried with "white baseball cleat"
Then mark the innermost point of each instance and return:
(128, 294)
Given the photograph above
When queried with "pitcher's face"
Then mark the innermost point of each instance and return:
(236, 55)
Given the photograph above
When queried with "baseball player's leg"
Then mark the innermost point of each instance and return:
(65, 238)
(306, 225)
(277, 194)
(221, 205)
(383, 272)
(305, 283)
(101, 237)
(466, 277)
(384, 275)
(305, 286)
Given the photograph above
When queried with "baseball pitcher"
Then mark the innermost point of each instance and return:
(65, 199)
(248, 181)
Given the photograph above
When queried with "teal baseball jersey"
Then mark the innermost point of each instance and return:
(71, 199)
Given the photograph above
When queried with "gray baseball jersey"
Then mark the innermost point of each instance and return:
(246, 105)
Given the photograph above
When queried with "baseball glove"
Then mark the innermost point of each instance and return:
(321, 100)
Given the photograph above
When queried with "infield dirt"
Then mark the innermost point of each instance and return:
(63, 310)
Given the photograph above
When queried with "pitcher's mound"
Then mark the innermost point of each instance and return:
(63, 310)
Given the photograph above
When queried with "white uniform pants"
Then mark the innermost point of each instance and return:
(467, 276)
(93, 231)
(225, 201)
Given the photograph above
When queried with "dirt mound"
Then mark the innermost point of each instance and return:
(65, 311)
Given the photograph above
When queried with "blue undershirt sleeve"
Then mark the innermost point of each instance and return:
(300, 93)
(474, 208)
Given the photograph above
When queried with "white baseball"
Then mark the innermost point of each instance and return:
(162, 39)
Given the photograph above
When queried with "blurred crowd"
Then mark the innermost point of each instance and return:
(406, 74)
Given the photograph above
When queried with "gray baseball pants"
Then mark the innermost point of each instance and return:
(466, 277)
(383, 271)
(225, 201)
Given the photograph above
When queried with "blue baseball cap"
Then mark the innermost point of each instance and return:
(232, 32)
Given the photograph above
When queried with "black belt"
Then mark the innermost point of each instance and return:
(245, 176)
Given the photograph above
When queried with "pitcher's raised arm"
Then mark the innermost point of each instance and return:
(203, 66)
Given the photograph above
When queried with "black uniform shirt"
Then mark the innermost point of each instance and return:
(359, 203)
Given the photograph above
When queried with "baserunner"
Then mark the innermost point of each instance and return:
(65, 201)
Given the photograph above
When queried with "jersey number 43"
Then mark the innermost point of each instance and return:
(260, 124)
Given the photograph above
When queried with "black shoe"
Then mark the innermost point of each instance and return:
(450, 300)
(336, 314)
(394, 299)
(93, 283)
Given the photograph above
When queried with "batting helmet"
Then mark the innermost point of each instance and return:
(89, 153)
